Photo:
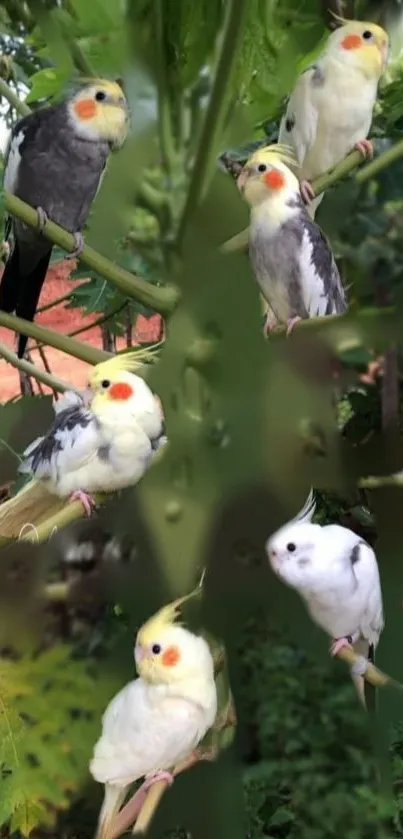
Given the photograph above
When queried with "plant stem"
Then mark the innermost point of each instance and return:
(164, 110)
(162, 299)
(53, 339)
(16, 103)
(216, 110)
(31, 370)
(57, 301)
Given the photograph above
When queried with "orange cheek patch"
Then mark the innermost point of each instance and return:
(351, 42)
(170, 657)
(274, 179)
(85, 108)
(120, 390)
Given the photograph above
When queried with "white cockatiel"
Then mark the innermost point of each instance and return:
(102, 440)
(291, 258)
(157, 720)
(329, 112)
(336, 573)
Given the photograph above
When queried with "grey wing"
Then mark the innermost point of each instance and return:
(298, 126)
(358, 556)
(367, 574)
(72, 440)
(323, 290)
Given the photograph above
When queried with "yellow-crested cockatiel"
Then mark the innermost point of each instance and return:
(290, 256)
(101, 440)
(156, 721)
(329, 112)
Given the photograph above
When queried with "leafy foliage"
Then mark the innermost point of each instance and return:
(50, 706)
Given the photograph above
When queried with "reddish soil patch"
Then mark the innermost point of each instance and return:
(65, 320)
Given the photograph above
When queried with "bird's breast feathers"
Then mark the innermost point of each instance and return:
(145, 729)
(328, 112)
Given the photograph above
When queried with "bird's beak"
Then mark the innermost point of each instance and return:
(243, 178)
(87, 396)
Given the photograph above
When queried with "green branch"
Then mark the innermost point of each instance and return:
(216, 109)
(164, 109)
(54, 339)
(9, 94)
(163, 299)
(26, 367)
(323, 182)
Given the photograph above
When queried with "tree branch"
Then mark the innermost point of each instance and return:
(31, 370)
(216, 110)
(163, 299)
(5, 90)
(54, 339)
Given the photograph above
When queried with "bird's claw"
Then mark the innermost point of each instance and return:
(340, 644)
(42, 218)
(365, 147)
(374, 369)
(291, 323)
(159, 775)
(79, 246)
(86, 500)
(270, 324)
(307, 191)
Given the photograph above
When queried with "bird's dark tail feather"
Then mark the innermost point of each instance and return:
(10, 283)
(20, 293)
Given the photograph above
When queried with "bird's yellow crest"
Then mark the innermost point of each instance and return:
(167, 616)
(275, 153)
(129, 361)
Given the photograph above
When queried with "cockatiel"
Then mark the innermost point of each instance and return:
(290, 256)
(156, 721)
(102, 440)
(55, 162)
(336, 573)
(329, 112)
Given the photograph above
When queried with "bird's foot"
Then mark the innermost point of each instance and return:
(291, 323)
(365, 147)
(270, 325)
(42, 218)
(307, 191)
(340, 644)
(79, 246)
(374, 369)
(159, 775)
(86, 500)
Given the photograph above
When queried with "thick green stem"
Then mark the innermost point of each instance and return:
(9, 94)
(216, 110)
(163, 299)
(164, 109)
(31, 370)
(54, 339)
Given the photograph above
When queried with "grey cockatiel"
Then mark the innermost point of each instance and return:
(55, 161)
(290, 256)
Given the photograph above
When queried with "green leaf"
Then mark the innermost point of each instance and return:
(46, 84)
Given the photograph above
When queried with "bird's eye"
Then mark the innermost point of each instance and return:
(156, 649)
(100, 95)
(262, 167)
(367, 34)
(291, 547)
(105, 383)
